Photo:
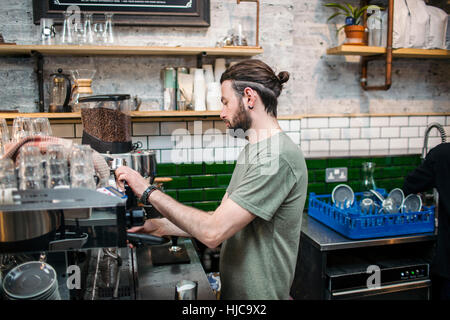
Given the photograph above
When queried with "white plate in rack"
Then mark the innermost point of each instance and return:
(343, 194)
(412, 203)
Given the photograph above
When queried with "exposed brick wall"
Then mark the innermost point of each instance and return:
(293, 33)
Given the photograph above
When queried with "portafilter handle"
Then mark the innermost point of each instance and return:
(138, 239)
(136, 217)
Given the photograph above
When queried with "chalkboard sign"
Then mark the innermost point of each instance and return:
(190, 13)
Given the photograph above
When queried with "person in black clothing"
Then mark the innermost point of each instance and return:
(434, 172)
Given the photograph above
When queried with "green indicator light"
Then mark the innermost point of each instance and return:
(412, 272)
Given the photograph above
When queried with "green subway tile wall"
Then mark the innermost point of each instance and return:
(203, 185)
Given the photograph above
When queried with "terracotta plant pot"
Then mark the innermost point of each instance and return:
(354, 35)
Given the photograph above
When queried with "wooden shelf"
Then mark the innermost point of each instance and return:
(126, 50)
(349, 50)
(136, 116)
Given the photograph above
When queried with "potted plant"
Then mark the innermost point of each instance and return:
(354, 32)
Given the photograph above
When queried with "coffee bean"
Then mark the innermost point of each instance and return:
(108, 125)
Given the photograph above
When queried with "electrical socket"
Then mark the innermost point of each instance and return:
(336, 175)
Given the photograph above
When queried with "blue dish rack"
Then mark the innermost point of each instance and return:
(354, 224)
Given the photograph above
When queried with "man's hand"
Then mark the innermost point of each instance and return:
(136, 182)
(156, 227)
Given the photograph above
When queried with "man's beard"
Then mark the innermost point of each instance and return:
(242, 121)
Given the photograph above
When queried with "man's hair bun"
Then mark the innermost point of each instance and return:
(283, 76)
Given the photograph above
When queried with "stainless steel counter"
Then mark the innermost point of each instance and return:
(361, 153)
(158, 282)
(326, 239)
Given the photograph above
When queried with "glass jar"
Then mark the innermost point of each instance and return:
(368, 182)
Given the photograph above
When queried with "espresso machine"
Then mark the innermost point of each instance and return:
(81, 229)
(60, 229)
(68, 230)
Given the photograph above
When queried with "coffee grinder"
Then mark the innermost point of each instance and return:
(106, 123)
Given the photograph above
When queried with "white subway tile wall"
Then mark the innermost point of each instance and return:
(172, 128)
(359, 122)
(316, 122)
(208, 141)
(398, 121)
(295, 125)
(64, 130)
(146, 129)
(339, 122)
(370, 132)
(339, 145)
(359, 144)
(319, 145)
(379, 121)
(390, 132)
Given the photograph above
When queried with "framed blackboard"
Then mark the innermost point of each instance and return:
(187, 13)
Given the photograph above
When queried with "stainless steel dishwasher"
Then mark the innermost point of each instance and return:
(332, 267)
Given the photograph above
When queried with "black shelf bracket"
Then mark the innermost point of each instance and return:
(200, 58)
(40, 78)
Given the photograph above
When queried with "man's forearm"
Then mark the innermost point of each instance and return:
(193, 221)
(172, 230)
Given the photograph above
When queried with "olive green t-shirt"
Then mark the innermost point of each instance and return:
(270, 181)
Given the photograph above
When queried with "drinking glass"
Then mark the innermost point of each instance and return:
(368, 182)
(78, 33)
(8, 179)
(30, 168)
(4, 132)
(22, 128)
(88, 33)
(108, 35)
(82, 167)
(56, 168)
(56, 152)
(67, 36)
(98, 33)
(4, 135)
(47, 31)
(41, 126)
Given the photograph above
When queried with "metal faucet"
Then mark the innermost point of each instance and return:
(424, 154)
(427, 132)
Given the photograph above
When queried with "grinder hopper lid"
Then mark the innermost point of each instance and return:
(106, 97)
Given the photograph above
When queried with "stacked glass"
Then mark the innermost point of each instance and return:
(31, 173)
(81, 167)
(56, 168)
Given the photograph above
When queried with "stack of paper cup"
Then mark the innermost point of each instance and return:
(213, 97)
(192, 70)
(199, 90)
(209, 74)
(219, 68)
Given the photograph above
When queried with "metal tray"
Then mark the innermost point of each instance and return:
(76, 203)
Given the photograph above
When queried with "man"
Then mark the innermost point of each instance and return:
(259, 219)
(434, 172)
